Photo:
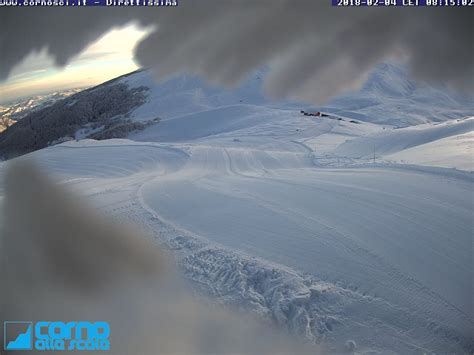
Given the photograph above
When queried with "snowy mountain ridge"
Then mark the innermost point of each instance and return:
(390, 97)
(17, 110)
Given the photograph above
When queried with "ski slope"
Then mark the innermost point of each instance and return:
(288, 216)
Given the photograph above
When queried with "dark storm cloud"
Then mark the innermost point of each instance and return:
(314, 50)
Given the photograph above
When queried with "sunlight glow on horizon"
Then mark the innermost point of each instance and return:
(105, 59)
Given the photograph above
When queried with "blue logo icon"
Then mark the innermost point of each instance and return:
(50, 336)
(18, 335)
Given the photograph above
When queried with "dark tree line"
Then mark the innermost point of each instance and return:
(105, 105)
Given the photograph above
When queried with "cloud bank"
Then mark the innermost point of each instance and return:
(314, 51)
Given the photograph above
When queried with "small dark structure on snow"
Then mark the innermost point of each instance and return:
(315, 114)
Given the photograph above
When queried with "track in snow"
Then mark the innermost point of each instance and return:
(330, 253)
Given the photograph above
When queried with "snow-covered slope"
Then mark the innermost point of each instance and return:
(332, 254)
(211, 122)
(389, 97)
(184, 94)
(287, 215)
(451, 152)
(414, 144)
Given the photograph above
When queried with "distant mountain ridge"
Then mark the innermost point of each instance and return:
(134, 101)
(390, 97)
(17, 110)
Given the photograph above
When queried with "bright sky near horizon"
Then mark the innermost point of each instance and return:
(107, 58)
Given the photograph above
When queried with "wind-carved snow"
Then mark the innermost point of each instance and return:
(316, 310)
(233, 239)
(299, 218)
